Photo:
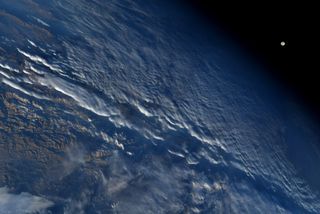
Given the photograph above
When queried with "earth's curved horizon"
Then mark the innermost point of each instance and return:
(136, 107)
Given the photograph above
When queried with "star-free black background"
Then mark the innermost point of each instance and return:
(260, 26)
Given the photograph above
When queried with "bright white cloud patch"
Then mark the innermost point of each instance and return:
(21, 203)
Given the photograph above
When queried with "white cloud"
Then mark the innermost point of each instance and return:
(23, 203)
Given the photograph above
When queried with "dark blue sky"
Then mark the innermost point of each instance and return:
(260, 27)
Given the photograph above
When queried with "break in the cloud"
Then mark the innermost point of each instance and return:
(22, 203)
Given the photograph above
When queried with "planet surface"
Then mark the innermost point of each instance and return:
(139, 107)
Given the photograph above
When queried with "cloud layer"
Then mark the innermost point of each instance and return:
(21, 203)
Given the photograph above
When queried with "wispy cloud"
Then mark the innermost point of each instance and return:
(75, 157)
(22, 203)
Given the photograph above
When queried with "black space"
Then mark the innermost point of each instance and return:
(260, 27)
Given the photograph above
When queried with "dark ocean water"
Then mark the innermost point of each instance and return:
(139, 107)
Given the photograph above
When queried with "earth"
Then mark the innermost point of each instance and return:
(139, 107)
